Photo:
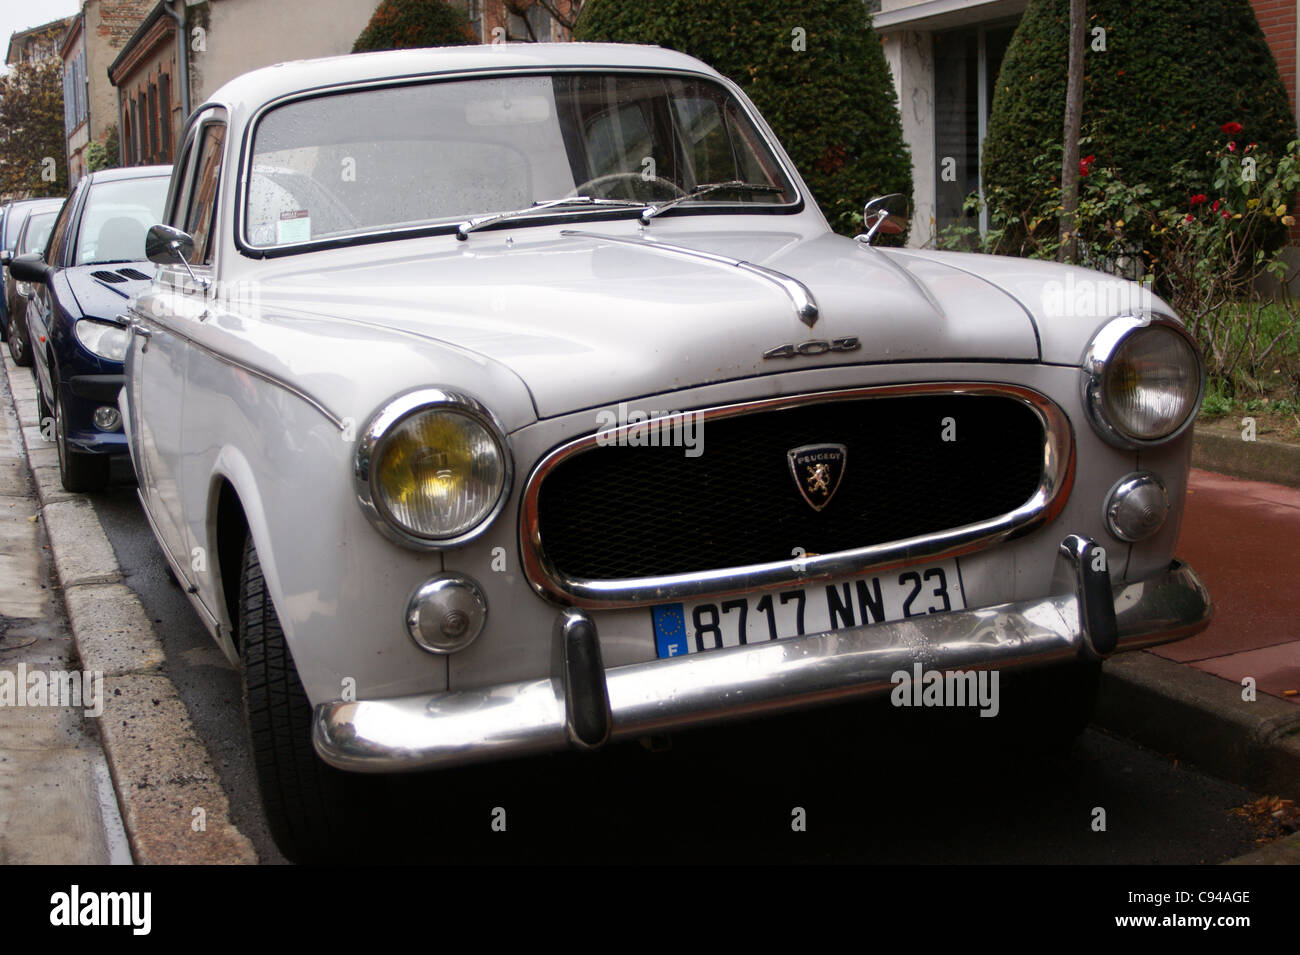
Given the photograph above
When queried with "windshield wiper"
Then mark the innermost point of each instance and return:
(650, 211)
(469, 225)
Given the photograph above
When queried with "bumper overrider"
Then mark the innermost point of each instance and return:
(583, 705)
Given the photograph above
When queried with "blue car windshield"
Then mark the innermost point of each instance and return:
(116, 218)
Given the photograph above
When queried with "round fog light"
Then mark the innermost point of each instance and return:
(1137, 506)
(107, 418)
(446, 613)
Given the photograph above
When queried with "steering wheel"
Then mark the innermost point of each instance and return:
(582, 189)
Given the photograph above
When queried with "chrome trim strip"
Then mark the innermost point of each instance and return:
(518, 719)
(805, 306)
(1097, 358)
(268, 377)
(1046, 502)
(381, 424)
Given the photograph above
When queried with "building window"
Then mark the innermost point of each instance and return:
(966, 65)
(153, 123)
(136, 150)
(165, 115)
(142, 125)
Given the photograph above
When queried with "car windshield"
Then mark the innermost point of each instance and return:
(117, 216)
(38, 232)
(13, 223)
(383, 159)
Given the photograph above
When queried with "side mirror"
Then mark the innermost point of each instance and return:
(167, 246)
(884, 215)
(29, 268)
(6, 256)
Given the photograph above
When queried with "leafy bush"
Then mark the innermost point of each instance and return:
(1170, 77)
(1205, 253)
(817, 73)
(399, 24)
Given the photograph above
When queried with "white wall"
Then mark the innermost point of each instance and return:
(910, 56)
(242, 35)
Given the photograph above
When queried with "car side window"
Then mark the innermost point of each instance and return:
(184, 185)
(201, 204)
(51, 251)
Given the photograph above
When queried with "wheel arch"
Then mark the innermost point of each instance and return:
(235, 510)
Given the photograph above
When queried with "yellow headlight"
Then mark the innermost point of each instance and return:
(434, 472)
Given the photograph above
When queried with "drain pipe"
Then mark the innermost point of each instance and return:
(183, 53)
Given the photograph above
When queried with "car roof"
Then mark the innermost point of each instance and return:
(271, 82)
(129, 172)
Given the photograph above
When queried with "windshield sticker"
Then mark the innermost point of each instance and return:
(294, 226)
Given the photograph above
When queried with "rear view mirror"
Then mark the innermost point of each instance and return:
(167, 246)
(29, 268)
(884, 215)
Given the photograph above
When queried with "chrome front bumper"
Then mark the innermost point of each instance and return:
(583, 705)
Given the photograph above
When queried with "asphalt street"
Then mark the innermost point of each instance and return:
(874, 783)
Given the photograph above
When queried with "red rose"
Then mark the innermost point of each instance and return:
(1197, 199)
(1232, 129)
(1085, 165)
(1215, 207)
(1232, 147)
(1189, 217)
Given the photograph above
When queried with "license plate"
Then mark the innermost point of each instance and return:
(698, 626)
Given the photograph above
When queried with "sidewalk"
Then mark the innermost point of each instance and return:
(57, 804)
(1243, 537)
(168, 792)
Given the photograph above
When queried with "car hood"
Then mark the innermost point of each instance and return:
(585, 321)
(102, 291)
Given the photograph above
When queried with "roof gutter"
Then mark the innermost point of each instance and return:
(183, 54)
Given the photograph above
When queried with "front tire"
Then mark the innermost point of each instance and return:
(78, 470)
(310, 806)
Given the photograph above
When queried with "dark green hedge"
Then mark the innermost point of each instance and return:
(832, 105)
(399, 24)
(1171, 75)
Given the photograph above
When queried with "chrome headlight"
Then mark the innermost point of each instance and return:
(102, 339)
(432, 469)
(1143, 380)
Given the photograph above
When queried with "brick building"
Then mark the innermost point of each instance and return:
(90, 43)
(36, 44)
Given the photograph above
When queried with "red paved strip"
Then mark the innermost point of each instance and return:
(1243, 538)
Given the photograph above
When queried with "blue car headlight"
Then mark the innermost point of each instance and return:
(99, 338)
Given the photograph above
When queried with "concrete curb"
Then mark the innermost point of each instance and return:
(168, 790)
(1258, 460)
(1170, 707)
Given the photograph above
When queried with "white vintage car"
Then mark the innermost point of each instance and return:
(497, 400)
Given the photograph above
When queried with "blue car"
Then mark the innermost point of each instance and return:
(93, 264)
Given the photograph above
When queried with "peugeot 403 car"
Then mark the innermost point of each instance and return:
(497, 400)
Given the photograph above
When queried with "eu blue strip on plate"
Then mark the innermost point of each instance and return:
(670, 629)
